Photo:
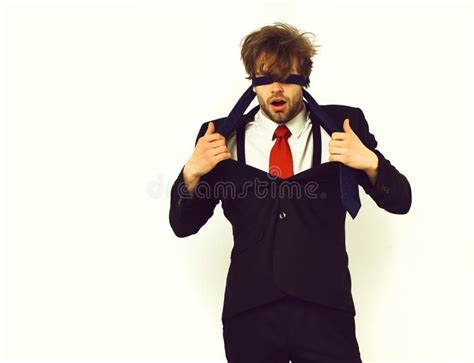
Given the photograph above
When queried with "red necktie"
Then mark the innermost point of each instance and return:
(281, 162)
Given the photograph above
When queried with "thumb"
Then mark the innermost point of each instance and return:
(210, 128)
(347, 127)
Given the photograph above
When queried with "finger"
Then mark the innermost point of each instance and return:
(217, 143)
(339, 135)
(213, 137)
(336, 150)
(218, 150)
(223, 156)
(336, 143)
(210, 128)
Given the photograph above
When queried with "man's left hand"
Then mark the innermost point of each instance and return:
(347, 148)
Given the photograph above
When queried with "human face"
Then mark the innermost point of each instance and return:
(291, 93)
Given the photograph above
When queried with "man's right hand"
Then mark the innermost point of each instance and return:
(210, 149)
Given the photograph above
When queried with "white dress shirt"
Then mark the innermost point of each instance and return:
(259, 143)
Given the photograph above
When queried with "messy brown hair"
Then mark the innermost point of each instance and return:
(279, 45)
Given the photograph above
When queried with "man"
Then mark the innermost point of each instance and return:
(288, 291)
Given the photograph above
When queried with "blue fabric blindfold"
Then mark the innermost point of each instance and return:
(348, 183)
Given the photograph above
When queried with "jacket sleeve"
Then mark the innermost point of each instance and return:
(190, 211)
(391, 191)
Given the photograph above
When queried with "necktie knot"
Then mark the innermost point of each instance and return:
(281, 131)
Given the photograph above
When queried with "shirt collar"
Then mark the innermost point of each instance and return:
(296, 125)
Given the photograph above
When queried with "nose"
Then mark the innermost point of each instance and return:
(277, 87)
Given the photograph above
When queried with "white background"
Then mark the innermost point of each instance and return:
(101, 104)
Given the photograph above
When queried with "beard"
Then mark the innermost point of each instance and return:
(289, 111)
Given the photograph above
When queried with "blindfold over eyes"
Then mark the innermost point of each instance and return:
(292, 78)
(348, 183)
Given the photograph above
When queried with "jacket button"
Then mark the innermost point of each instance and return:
(282, 215)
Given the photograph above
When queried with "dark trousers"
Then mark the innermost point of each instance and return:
(291, 329)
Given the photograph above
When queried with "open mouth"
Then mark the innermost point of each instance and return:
(278, 105)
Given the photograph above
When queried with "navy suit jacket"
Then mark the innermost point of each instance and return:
(286, 243)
